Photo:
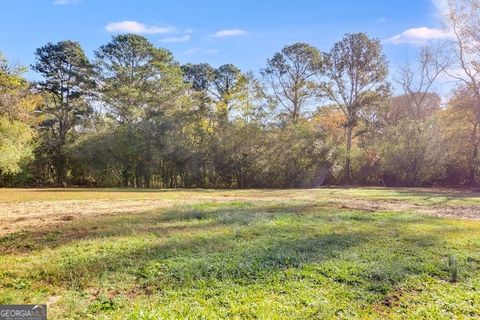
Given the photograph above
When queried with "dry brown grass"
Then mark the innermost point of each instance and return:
(46, 208)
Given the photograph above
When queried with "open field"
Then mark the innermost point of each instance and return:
(328, 253)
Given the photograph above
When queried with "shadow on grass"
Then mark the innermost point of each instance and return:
(227, 257)
(247, 244)
(159, 222)
(366, 261)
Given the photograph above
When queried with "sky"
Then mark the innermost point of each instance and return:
(243, 32)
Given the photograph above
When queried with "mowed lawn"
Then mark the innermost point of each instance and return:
(331, 253)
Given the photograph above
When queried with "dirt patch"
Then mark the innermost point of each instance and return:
(390, 300)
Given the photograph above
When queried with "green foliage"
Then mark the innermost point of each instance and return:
(302, 156)
(138, 80)
(405, 155)
(17, 119)
(67, 81)
(135, 117)
(290, 74)
(355, 72)
(16, 145)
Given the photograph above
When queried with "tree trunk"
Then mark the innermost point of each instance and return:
(61, 168)
(146, 180)
(473, 161)
(125, 177)
(61, 159)
(347, 156)
(295, 113)
(476, 102)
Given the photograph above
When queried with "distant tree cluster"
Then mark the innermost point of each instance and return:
(134, 117)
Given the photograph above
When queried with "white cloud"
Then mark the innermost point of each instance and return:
(229, 33)
(192, 51)
(137, 27)
(419, 35)
(66, 2)
(183, 38)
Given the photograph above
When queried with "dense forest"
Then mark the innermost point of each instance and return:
(132, 116)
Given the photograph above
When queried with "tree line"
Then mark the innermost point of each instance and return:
(134, 117)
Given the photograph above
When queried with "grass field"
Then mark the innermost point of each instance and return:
(328, 253)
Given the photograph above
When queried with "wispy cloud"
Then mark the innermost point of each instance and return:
(418, 36)
(229, 33)
(137, 27)
(183, 38)
(202, 51)
(66, 2)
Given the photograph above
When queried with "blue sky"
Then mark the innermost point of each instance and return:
(245, 33)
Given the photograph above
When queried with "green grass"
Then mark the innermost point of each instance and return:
(285, 254)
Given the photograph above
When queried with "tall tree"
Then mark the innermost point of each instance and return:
(354, 74)
(463, 19)
(142, 87)
(199, 76)
(226, 83)
(460, 128)
(137, 78)
(67, 77)
(291, 76)
(220, 85)
(416, 83)
(252, 104)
